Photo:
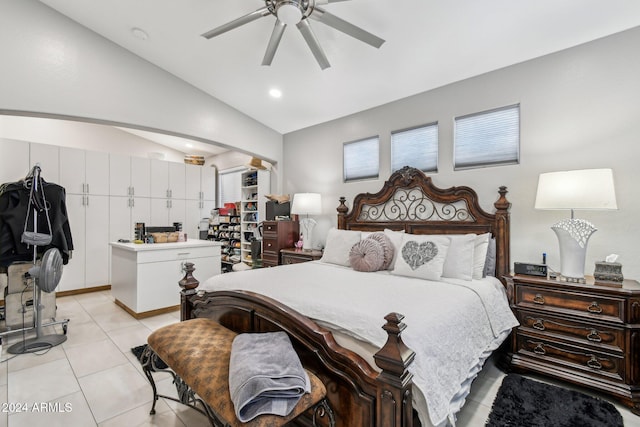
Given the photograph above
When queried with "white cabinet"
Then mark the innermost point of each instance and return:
(165, 212)
(48, 157)
(14, 160)
(85, 176)
(89, 263)
(124, 213)
(84, 172)
(145, 277)
(167, 179)
(200, 195)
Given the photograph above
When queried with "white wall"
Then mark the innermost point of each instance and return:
(53, 66)
(580, 108)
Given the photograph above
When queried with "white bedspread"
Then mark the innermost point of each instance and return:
(451, 325)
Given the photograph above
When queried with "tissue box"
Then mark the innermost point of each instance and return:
(608, 272)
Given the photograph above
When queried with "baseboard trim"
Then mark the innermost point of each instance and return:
(149, 313)
(83, 291)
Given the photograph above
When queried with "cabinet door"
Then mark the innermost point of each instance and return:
(192, 182)
(159, 212)
(140, 211)
(208, 182)
(97, 241)
(177, 211)
(177, 178)
(159, 178)
(97, 173)
(119, 175)
(192, 219)
(48, 158)
(73, 272)
(141, 177)
(72, 163)
(14, 160)
(120, 218)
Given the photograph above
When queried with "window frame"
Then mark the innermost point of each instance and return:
(484, 164)
(344, 160)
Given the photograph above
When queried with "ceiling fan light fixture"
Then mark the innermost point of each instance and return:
(289, 12)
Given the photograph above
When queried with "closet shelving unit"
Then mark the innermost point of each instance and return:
(256, 185)
(227, 232)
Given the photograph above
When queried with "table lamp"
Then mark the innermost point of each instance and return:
(306, 204)
(578, 189)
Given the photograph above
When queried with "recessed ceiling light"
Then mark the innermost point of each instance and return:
(276, 93)
(139, 33)
(188, 145)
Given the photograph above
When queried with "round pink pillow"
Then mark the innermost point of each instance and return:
(366, 255)
(387, 248)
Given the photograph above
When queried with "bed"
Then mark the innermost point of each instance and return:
(377, 373)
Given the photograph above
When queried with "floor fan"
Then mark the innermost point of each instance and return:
(46, 275)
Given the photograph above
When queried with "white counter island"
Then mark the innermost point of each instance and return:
(144, 277)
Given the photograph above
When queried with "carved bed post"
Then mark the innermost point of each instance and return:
(189, 284)
(342, 211)
(393, 404)
(502, 247)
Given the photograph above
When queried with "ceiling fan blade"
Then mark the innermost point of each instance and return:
(237, 22)
(311, 40)
(346, 27)
(274, 41)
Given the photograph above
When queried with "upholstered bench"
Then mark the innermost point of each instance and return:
(197, 352)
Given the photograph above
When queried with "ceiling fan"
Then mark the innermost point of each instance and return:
(298, 12)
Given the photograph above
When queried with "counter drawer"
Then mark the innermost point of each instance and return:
(608, 337)
(177, 254)
(572, 303)
(578, 358)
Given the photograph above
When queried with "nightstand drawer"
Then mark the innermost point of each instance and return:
(607, 338)
(571, 303)
(569, 356)
(270, 246)
(270, 260)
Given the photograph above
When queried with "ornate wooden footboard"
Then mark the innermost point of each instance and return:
(358, 394)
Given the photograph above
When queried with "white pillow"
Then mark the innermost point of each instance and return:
(480, 254)
(422, 256)
(460, 261)
(338, 245)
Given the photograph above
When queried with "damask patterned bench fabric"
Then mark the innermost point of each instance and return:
(198, 351)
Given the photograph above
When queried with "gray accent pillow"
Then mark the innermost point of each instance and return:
(367, 255)
(490, 262)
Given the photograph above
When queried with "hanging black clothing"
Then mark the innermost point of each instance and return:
(14, 202)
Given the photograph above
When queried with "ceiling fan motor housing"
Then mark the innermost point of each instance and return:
(290, 12)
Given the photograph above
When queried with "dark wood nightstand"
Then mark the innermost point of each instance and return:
(586, 334)
(295, 256)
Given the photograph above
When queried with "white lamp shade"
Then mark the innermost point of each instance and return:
(306, 204)
(577, 189)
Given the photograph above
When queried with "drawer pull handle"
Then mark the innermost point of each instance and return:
(594, 363)
(539, 349)
(594, 308)
(594, 336)
(538, 324)
(538, 299)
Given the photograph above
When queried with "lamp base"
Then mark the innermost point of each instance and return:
(573, 235)
(307, 224)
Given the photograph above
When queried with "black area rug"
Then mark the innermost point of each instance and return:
(522, 402)
(139, 350)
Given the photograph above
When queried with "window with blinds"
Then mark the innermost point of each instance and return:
(487, 138)
(230, 186)
(416, 147)
(361, 159)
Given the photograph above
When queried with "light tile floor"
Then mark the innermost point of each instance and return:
(93, 379)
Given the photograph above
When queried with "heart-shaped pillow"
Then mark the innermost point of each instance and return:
(416, 254)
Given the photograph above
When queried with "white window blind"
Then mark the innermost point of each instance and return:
(488, 138)
(229, 186)
(361, 159)
(417, 147)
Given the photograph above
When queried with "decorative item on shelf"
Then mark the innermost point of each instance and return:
(307, 204)
(608, 272)
(300, 243)
(256, 163)
(591, 189)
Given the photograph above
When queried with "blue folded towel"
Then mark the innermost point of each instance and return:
(265, 375)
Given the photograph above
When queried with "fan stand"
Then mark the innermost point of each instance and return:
(40, 341)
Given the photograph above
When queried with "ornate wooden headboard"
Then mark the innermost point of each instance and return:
(409, 201)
